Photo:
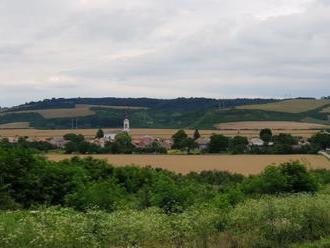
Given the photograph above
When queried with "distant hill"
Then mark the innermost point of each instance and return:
(200, 113)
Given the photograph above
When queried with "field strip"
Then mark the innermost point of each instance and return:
(244, 164)
(288, 106)
(15, 125)
(164, 133)
(274, 125)
(80, 110)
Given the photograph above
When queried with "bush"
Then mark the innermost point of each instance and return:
(218, 143)
(105, 195)
(287, 178)
(277, 222)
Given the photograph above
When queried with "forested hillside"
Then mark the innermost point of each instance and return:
(162, 113)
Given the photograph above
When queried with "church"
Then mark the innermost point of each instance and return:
(126, 125)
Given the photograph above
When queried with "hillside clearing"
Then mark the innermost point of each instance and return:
(289, 106)
(275, 125)
(80, 110)
(244, 164)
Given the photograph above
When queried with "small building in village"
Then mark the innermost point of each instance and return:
(256, 142)
(203, 143)
(59, 142)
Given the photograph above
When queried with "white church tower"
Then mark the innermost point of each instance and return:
(126, 125)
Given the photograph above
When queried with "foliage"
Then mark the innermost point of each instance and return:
(266, 135)
(181, 141)
(103, 206)
(238, 145)
(277, 222)
(99, 134)
(218, 143)
(286, 178)
(321, 140)
(75, 138)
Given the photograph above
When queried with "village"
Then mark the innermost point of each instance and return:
(183, 144)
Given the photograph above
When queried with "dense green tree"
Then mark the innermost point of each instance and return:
(70, 147)
(122, 143)
(105, 195)
(321, 140)
(285, 138)
(218, 143)
(266, 135)
(238, 144)
(287, 178)
(99, 134)
(76, 138)
(190, 144)
(179, 139)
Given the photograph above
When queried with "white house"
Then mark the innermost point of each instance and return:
(203, 143)
(110, 136)
(256, 142)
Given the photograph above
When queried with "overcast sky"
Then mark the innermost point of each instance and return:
(163, 48)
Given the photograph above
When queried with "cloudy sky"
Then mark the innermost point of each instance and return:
(163, 48)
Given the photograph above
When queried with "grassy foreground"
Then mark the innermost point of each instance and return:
(266, 222)
(89, 203)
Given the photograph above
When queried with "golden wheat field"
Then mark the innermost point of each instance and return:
(244, 164)
(163, 133)
(274, 125)
(80, 110)
(289, 106)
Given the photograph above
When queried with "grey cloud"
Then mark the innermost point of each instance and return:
(158, 48)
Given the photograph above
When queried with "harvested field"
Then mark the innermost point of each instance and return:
(164, 133)
(80, 110)
(289, 106)
(15, 125)
(275, 125)
(244, 164)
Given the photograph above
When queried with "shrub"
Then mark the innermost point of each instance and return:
(290, 177)
(277, 222)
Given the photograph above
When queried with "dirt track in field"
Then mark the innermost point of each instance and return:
(244, 164)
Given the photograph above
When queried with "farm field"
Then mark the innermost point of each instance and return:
(80, 110)
(164, 133)
(289, 106)
(274, 125)
(244, 164)
(15, 125)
